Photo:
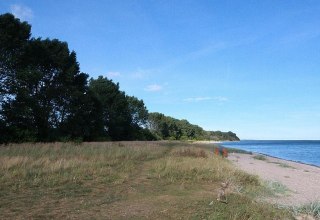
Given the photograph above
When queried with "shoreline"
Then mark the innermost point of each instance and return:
(256, 152)
(301, 180)
(279, 158)
(305, 160)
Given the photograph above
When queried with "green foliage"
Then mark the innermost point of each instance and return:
(41, 79)
(169, 128)
(235, 150)
(259, 157)
(115, 113)
(173, 129)
(45, 97)
(138, 111)
(219, 135)
(311, 209)
(275, 188)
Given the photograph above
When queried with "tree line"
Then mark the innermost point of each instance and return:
(45, 97)
(168, 128)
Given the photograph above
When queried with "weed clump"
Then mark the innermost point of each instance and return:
(311, 209)
(275, 188)
(259, 157)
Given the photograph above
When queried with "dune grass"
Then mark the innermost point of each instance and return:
(125, 180)
(259, 157)
(311, 209)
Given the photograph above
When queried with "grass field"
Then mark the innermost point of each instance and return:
(126, 180)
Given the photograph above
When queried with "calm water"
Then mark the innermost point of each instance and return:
(302, 151)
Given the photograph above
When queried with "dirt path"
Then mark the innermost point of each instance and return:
(302, 180)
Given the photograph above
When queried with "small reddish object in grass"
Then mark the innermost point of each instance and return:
(225, 152)
(216, 151)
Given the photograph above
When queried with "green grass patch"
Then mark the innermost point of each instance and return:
(311, 209)
(284, 165)
(259, 157)
(275, 188)
(235, 150)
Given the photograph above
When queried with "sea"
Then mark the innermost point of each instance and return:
(304, 151)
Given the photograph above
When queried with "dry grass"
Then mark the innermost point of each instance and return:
(123, 180)
(190, 152)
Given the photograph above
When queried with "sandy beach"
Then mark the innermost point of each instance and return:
(302, 180)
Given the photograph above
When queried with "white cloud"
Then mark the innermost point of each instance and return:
(153, 88)
(199, 99)
(21, 11)
(138, 75)
(142, 74)
(221, 99)
(113, 74)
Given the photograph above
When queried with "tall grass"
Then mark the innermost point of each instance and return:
(198, 165)
(31, 172)
(34, 164)
(99, 180)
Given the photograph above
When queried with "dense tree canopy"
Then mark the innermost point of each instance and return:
(115, 113)
(164, 127)
(40, 78)
(45, 97)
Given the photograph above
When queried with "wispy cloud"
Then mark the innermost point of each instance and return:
(199, 99)
(139, 75)
(143, 74)
(206, 50)
(220, 98)
(210, 48)
(22, 12)
(153, 88)
(113, 74)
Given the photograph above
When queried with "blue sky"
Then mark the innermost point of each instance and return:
(252, 67)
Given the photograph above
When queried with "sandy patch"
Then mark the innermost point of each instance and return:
(302, 180)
